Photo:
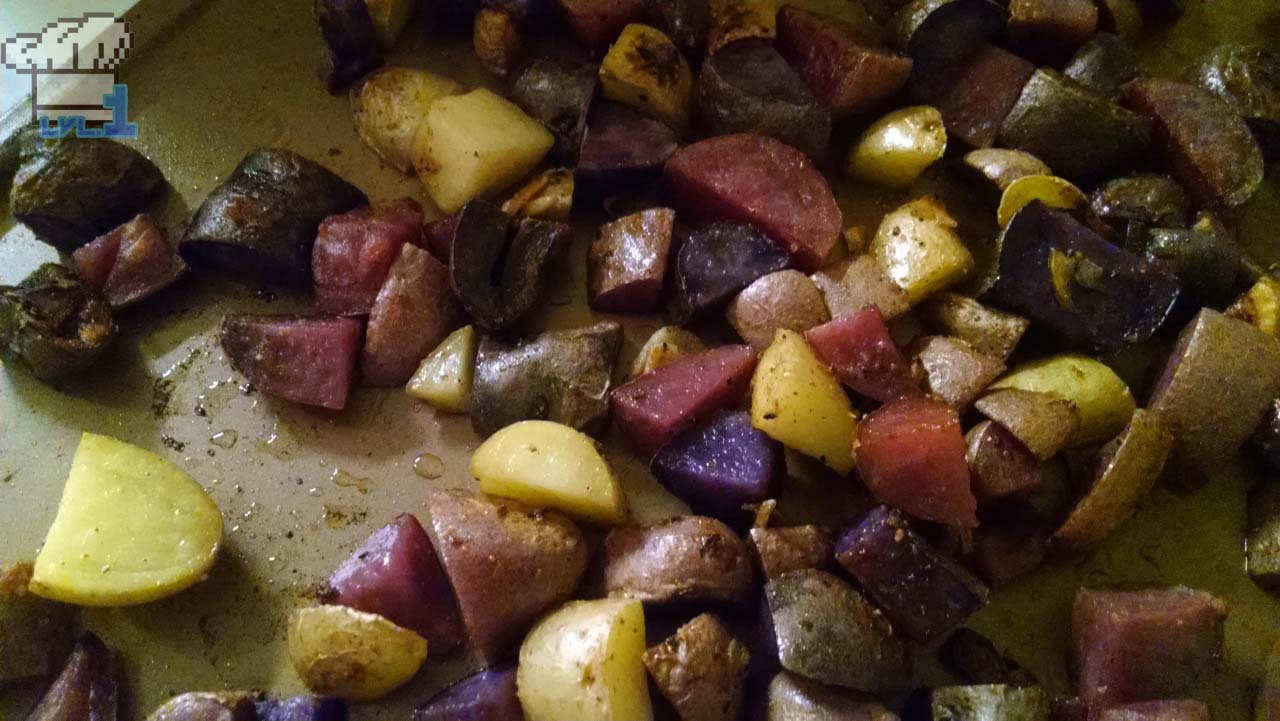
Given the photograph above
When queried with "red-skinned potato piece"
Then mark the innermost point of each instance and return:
(1001, 467)
(438, 236)
(861, 354)
(658, 406)
(87, 687)
(131, 263)
(304, 360)
(413, 312)
(911, 455)
(976, 103)
(846, 72)
(395, 574)
(682, 560)
(1211, 150)
(355, 250)
(628, 260)
(1142, 645)
(923, 593)
(597, 23)
(758, 180)
(508, 564)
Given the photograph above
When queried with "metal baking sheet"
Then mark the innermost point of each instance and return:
(299, 489)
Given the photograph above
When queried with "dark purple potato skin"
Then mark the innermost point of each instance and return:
(556, 90)
(983, 93)
(942, 41)
(261, 223)
(498, 282)
(395, 574)
(748, 87)
(721, 466)
(1012, 544)
(716, 262)
(302, 708)
(1266, 440)
(972, 657)
(352, 47)
(628, 261)
(621, 149)
(206, 706)
(924, 594)
(86, 690)
(1129, 302)
(487, 696)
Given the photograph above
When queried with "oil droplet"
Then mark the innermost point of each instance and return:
(346, 480)
(225, 439)
(428, 465)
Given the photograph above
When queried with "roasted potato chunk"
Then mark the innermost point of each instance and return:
(917, 248)
(391, 104)
(646, 71)
(338, 651)
(701, 670)
(898, 147)
(686, 560)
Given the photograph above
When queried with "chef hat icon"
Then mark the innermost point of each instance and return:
(94, 42)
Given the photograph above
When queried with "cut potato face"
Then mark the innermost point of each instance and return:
(916, 247)
(389, 18)
(131, 528)
(338, 651)
(1102, 400)
(474, 145)
(665, 345)
(390, 105)
(552, 465)
(445, 377)
(796, 401)
(1048, 189)
(585, 663)
(898, 147)
(646, 71)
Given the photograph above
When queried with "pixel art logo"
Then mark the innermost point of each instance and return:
(74, 65)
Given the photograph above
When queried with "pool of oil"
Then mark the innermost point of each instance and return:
(299, 489)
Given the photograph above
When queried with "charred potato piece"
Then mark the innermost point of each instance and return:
(989, 331)
(497, 41)
(627, 262)
(645, 71)
(685, 560)
(786, 299)
(665, 345)
(72, 190)
(53, 323)
(390, 104)
(35, 633)
(1045, 424)
(951, 369)
(792, 548)
(825, 630)
(700, 670)
(1127, 470)
(562, 376)
(261, 222)
(557, 92)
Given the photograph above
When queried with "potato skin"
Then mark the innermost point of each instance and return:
(990, 331)
(785, 299)
(35, 634)
(792, 548)
(338, 651)
(700, 669)
(1044, 423)
(690, 559)
(388, 107)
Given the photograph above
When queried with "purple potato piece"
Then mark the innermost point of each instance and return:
(562, 376)
(971, 656)
(1060, 274)
(1105, 64)
(131, 263)
(498, 282)
(784, 549)
(976, 102)
(413, 312)
(941, 37)
(747, 86)
(301, 708)
(686, 22)
(87, 688)
(716, 262)
(487, 696)
(351, 42)
(621, 149)
(823, 629)
(1000, 465)
(304, 360)
(395, 574)
(1143, 645)
(795, 698)
(556, 90)
(206, 706)
(1266, 439)
(923, 593)
(1051, 30)
(719, 467)
(1207, 263)
(261, 222)
(628, 261)
(689, 560)
(35, 633)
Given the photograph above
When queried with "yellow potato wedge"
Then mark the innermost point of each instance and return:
(338, 651)
(389, 107)
(796, 401)
(898, 147)
(1101, 399)
(1260, 306)
(389, 18)
(548, 196)
(445, 377)
(916, 247)
(1048, 189)
(647, 72)
(551, 465)
(585, 663)
(131, 528)
(474, 145)
(665, 345)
